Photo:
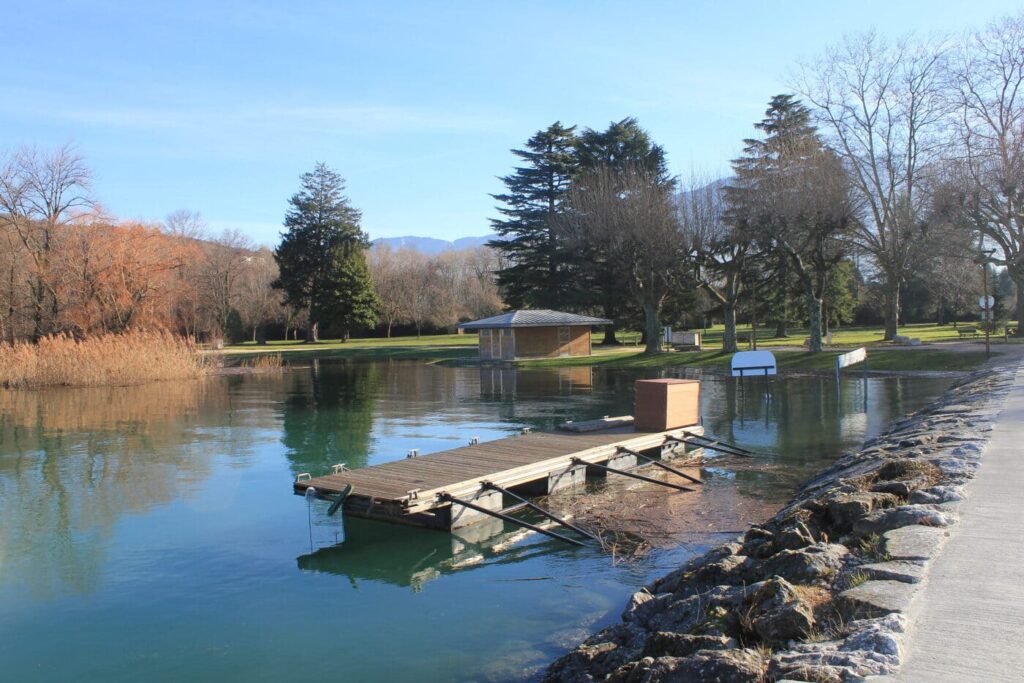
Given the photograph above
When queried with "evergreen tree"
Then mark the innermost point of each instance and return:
(537, 271)
(319, 222)
(348, 300)
(792, 194)
(626, 148)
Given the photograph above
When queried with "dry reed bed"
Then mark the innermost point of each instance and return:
(104, 360)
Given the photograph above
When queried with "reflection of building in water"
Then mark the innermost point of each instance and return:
(406, 556)
(508, 382)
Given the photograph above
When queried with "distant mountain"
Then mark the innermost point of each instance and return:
(432, 245)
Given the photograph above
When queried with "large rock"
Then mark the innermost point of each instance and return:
(817, 562)
(894, 570)
(668, 644)
(906, 515)
(599, 656)
(873, 647)
(876, 599)
(722, 666)
(778, 613)
(847, 508)
(913, 543)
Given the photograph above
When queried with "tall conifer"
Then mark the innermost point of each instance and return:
(537, 274)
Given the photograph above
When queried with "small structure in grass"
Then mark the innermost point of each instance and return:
(534, 334)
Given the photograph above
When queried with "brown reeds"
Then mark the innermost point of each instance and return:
(264, 361)
(104, 360)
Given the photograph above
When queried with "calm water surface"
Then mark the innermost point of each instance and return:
(150, 533)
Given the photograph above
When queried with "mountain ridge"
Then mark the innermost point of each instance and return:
(432, 245)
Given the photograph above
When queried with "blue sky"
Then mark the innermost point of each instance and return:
(220, 106)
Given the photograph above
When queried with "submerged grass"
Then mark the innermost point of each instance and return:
(104, 360)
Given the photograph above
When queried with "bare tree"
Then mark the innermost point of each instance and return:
(41, 192)
(882, 106)
(629, 213)
(386, 271)
(721, 254)
(987, 75)
(221, 275)
(186, 224)
(257, 301)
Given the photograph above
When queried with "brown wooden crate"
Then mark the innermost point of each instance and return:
(663, 404)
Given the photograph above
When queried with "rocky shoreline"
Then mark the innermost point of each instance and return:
(819, 592)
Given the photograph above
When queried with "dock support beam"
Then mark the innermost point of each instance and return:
(662, 465)
(463, 514)
(536, 508)
(444, 497)
(634, 475)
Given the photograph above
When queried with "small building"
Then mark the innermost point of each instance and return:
(534, 334)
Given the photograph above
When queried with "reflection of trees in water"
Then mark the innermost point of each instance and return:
(807, 421)
(328, 414)
(74, 461)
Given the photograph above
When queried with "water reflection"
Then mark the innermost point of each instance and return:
(158, 521)
(411, 557)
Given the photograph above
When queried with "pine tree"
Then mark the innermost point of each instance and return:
(537, 274)
(348, 300)
(319, 221)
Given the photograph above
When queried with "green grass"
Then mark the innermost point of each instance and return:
(846, 336)
(433, 347)
(883, 356)
(878, 359)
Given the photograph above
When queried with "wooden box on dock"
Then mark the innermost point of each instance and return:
(663, 404)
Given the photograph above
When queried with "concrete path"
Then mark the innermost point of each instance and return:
(968, 620)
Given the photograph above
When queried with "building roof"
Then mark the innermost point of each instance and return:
(533, 318)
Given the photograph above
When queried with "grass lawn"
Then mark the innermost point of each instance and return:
(432, 347)
(846, 336)
(463, 346)
(878, 359)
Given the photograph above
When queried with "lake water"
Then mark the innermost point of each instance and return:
(150, 533)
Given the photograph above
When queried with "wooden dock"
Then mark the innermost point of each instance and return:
(418, 490)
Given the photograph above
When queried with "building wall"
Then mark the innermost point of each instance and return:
(534, 342)
(548, 342)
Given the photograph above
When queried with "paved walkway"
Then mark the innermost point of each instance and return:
(968, 621)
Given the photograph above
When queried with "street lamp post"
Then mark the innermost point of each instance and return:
(987, 312)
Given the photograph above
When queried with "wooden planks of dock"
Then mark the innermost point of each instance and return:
(403, 490)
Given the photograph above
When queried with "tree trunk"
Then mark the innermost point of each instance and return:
(1019, 281)
(729, 337)
(814, 307)
(389, 329)
(781, 324)
(609, 336)
(312, 332)
(892, 311)
(652, 329)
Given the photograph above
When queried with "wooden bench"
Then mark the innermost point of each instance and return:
(967, 332)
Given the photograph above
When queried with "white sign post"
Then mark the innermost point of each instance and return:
(847, 359)
(746, 363)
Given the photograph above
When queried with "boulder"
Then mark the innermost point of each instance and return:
(913, 543)
(723, 666)
(906, 515)
(845, 509)
(876, 599)
(814, 563)
(894, 570)
(669, 644)
(778, 613)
